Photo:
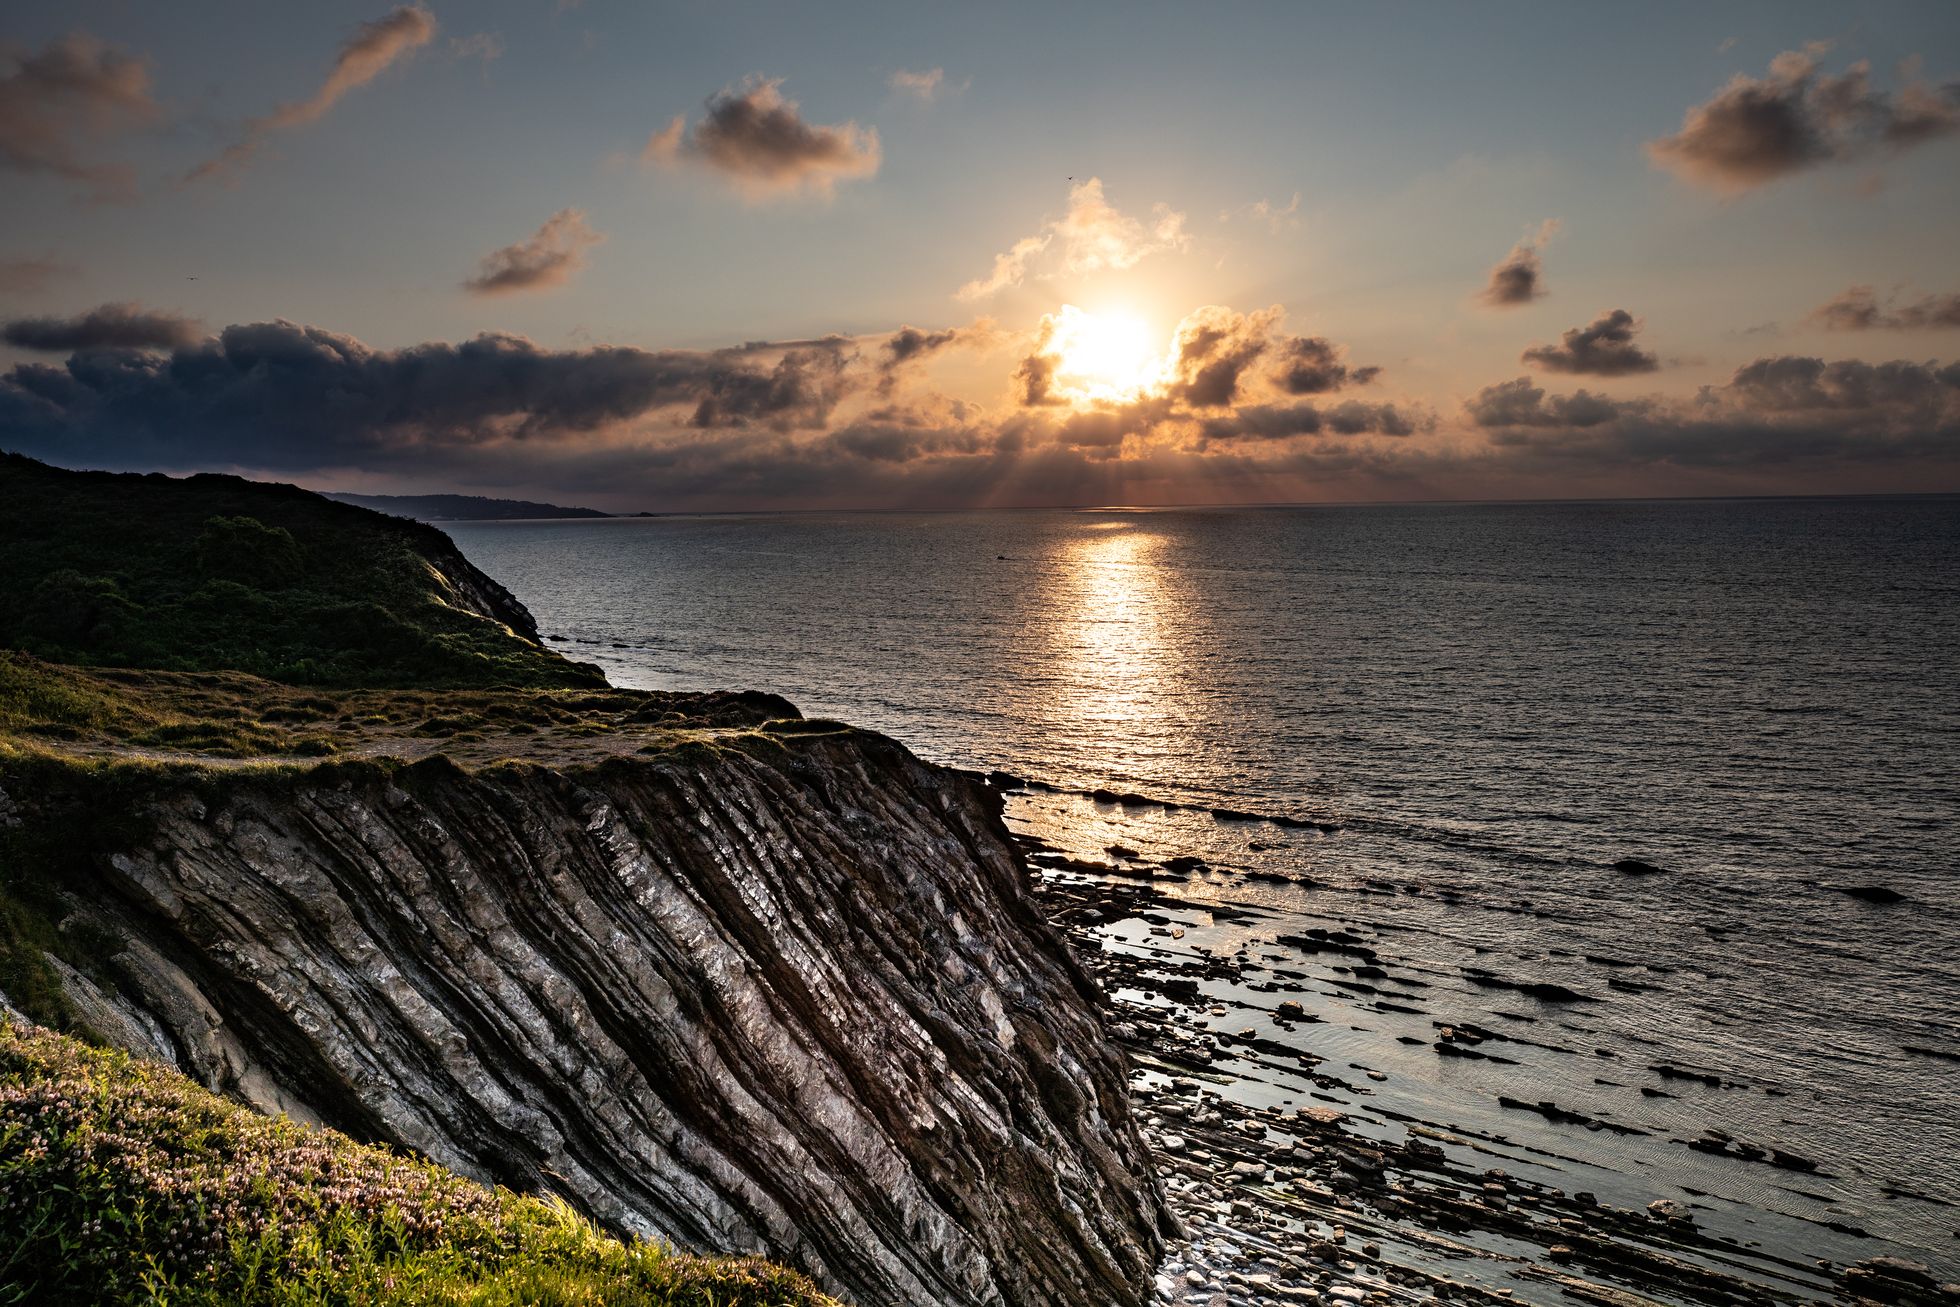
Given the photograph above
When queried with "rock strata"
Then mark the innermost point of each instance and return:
(781, 990)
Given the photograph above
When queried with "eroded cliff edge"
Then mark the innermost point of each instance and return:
(714, 973)
(779, 988)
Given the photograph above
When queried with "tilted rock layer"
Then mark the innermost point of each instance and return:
(780, 991)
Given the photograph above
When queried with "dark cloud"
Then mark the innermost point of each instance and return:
(784, 424)
(1036, 379)
(909, 345)
(1314, 365)
(112, 326)
(800, 390)
(368, 53)
(33, 276)
(1858, 309)
(1779, 413)
(1286, 421)
(56, 104)
(1603, 349)
(1794, 384)
(278, 395)
(1214, 350)
(1756, 130)
(760, 141)
(546, 258)
(1519, 277)
(1519, 403)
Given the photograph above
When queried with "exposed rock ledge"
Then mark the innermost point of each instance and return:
(782, 992)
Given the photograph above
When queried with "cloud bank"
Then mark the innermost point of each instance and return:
(546, 259)
(1774, 413)
(760, 142)
(812, 423)
(374, 47)
(1756, 130)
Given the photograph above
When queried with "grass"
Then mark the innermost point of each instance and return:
(194, 715)
(121, 570)
(121, 1181)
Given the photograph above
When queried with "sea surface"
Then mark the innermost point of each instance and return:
(1492, 705)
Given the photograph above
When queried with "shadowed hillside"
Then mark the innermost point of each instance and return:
(125, 570)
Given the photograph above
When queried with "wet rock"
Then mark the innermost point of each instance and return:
(1871, 893)
(1636, 867)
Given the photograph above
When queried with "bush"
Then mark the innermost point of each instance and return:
(246, 550)
(75, 611)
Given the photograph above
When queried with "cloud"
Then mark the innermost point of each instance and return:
(374, 47)
(1287, 421)
(1214, 348)
(1603, 349)
(910, 345)
(545, 259)
(1090, 237)
(487, 46)
(1518, 277)
(57, 103)
(760, 142)
(1276, 218)
(1857, 309)
(1035, 377)
(928, 85)
(802, 423)
(279, 395)
(1756, 130)
(1520, 403)
(112, 326)
(33, 276)
(1313, 365)
(1779, 412)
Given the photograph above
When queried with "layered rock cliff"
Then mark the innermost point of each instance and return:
(760, 987)
(710, 972)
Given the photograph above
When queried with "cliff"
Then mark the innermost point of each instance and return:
(774, 987)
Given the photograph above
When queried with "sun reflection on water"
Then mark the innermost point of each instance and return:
(1116, 687)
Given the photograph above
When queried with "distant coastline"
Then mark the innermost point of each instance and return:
(463, 508)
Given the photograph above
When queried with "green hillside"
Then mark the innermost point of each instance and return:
(215, 572)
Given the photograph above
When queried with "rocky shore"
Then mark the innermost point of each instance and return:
(1295, 1184)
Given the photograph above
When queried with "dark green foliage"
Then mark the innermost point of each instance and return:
(121, 1181)
(246, 550)
(210, 572)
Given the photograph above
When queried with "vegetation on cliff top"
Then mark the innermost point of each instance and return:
(205, 572)
(155, 629)
(121, 1181)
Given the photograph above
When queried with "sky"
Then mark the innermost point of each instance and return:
(725, 257)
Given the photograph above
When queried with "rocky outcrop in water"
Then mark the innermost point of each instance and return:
(781, 990)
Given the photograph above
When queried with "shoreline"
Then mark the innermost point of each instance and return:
(1297, 1182)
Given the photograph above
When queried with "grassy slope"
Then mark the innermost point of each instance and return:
(121, 1181)
(211, 572)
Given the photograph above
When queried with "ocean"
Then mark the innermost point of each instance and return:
(1466, 716)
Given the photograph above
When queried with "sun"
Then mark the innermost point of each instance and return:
(1102, 356)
